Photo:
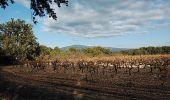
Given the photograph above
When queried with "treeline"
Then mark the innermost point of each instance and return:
(100, 51)
(73, 52)
(148, 51)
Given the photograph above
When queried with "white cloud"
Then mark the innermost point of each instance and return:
(105, 18)
(25, 3)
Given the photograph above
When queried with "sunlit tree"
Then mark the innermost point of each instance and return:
(18, 40)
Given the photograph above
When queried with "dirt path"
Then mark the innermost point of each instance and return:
(26, 86)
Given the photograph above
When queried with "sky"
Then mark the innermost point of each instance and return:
(107, 23)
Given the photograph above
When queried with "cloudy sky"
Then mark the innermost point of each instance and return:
(110, 23)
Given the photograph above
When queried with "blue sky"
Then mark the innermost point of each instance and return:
(109, 23)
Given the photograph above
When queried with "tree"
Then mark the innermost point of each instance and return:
(55, 52)
(18, 40)
(97, 51)
(44, 50)
(72, 50)
(1, 52)
(148, 50)
(104, 50)
(40, 7)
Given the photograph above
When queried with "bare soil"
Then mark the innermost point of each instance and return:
(21, 83)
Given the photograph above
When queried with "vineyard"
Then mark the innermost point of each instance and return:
(90, 50)
(145, 76)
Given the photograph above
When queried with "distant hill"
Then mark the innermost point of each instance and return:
(75, 46)
(116, 49)
(84, 46)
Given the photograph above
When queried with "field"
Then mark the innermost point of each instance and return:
(144, 77)
(84, 50)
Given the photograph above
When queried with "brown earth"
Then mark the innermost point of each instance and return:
(23, 84)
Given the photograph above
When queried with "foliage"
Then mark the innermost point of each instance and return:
(72, 50)
(72, 53)
(44, 50)
(1, 52)
(40, 7)
(18, 40)
(54, 52)
(148, 51)
(97, 51)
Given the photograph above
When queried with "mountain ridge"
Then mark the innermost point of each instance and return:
(84, 46)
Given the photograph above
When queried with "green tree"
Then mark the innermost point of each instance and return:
(148, 50)
(97, 51)
(72, 50)
(103, 50)
(55, 52)
(18, 40)
(44, 50)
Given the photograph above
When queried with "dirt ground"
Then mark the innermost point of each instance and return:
(18, 83)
